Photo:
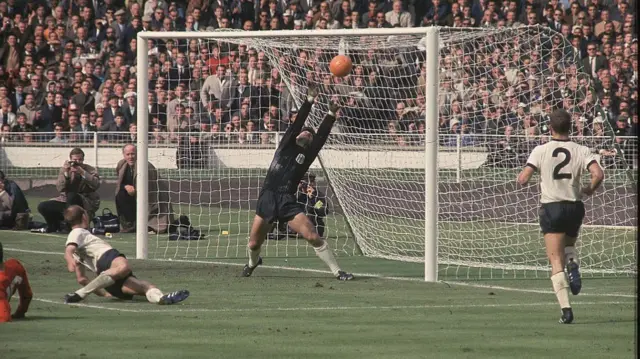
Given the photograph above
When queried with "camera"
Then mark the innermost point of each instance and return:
(73, 163)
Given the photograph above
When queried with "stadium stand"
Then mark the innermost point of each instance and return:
(68, 70)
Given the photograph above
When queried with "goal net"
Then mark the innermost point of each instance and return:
(497, 87)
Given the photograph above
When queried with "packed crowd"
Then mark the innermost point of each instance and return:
(69, 68)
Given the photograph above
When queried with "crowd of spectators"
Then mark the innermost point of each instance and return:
(69, 68)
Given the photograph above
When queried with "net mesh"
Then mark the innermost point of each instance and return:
(497, 88)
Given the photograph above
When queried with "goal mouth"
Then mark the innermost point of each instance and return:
(488, 104)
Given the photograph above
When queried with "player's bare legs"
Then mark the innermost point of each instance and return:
(303, 226)
(135, 286)
(572, 264)
(259, 230)
(555, 245)
(119, 269)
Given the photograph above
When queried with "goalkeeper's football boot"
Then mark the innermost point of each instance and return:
(247, 270)
(573, 272)
(174, 297)
(344, 276)
(567, 316)
(72, 298)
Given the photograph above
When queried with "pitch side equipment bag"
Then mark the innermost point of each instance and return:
(108, 222)
(182, 230)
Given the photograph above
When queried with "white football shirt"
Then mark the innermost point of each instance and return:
(561, 165)
(90, 248)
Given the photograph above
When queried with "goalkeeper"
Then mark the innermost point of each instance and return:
(114, 277)
(298, 149)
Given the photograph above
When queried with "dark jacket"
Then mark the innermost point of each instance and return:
(85, 103)
(20, 204)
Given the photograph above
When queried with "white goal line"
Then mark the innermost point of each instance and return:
(312, 309)
(369, 275)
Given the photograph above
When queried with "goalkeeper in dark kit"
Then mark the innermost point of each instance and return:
(298, 149)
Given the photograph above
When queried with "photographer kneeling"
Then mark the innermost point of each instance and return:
(314, 202)
(315, 206)
(77, 184)
(17, 217)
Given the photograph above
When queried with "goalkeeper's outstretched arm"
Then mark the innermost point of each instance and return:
(294, 129)
(324, 130)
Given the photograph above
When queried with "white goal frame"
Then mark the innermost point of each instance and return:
(432, 35)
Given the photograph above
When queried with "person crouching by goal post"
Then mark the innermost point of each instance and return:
(298, 148)
(315, 204)
(114, 277)
(561, 164)
(314, 201)
(160, 211)
(77, 183)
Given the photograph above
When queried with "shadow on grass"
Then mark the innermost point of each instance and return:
(610, 321)
(39, 318)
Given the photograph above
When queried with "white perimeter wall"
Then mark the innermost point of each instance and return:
(165, 158)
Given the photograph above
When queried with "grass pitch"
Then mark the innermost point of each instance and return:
(292, 308)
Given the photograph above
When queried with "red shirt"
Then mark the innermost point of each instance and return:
(214, 63)
(13, 278)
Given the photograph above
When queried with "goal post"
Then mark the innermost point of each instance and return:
(421, 165)
(431, 157)
(142, 155)
(431, 144)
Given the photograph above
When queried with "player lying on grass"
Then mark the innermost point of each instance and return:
(561, 164)
(13, 277)
(298, 149)
(114, 277)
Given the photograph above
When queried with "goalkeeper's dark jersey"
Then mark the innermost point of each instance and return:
(291, 161)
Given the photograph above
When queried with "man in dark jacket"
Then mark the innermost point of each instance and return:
(20, 204)
(84, 100)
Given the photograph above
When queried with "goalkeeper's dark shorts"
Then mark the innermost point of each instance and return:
(275, 206)
(103, 264)
(562, 217)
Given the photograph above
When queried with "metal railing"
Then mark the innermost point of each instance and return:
(40, 150)
(409, 141)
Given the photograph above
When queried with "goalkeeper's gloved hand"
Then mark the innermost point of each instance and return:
(334, 108)
(318, 205)
(312, 93)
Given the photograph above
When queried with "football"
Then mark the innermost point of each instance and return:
(340, 66)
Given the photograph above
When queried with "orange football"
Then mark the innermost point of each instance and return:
(340, 66)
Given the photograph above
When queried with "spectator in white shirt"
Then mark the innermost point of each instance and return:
(397, 16)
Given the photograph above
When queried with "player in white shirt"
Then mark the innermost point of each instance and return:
(561, 164)
(114, 277)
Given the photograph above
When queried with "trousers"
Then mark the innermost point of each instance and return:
(126, 206)
(53, 211)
